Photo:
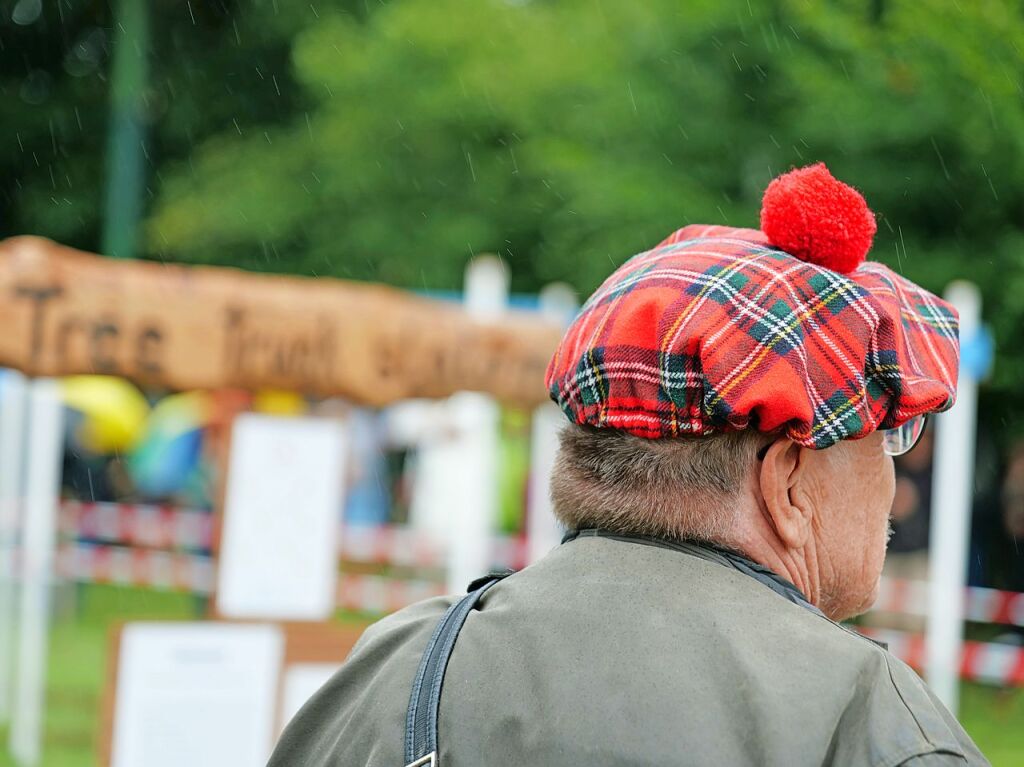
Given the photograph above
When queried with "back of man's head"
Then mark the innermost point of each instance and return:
(682, 489)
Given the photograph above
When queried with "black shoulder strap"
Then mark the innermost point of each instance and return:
(421, 719)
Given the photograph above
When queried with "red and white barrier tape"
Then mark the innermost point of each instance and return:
(407, 547)
(163, 570)
(379, 594)
(169, 527)
(988, 662)
(391, 545)
(981, 605)
(137, 524)
(135, 567)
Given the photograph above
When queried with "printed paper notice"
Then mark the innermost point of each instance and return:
(196, 694)
(278, 557)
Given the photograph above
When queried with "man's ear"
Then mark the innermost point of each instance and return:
(782, 476)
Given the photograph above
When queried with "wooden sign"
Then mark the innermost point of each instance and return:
(65, 312)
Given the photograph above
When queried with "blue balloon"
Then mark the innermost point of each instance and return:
(163, 470)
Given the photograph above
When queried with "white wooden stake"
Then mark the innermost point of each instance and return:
(474, 489)
(952, 483)
(543, 532)
(42, 487)
(12, 436)
(558, 303)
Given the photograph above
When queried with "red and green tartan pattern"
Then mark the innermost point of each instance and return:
(715, 330)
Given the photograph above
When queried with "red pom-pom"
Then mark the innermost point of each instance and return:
(811, 215)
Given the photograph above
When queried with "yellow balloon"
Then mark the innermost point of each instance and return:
(278, 402)
(114, 411)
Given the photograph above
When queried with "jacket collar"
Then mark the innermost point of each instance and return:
(710, 553)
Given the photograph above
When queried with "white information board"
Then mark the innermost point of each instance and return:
(282, 512)
(301, 680)
(196, 694)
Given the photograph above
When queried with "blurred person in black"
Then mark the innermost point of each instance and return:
(907, 556)
(1013, 516)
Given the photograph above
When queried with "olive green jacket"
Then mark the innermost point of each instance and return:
(611, 652)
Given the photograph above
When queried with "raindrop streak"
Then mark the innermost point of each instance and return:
(990, 185)
(942, 162)
(899, 258)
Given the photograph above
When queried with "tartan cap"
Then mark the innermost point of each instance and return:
(717, 329)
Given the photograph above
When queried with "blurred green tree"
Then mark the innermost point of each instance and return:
(214, 67)
(390, 141)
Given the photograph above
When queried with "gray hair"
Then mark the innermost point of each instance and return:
(681, 489)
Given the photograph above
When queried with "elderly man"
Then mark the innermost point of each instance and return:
(735, 397)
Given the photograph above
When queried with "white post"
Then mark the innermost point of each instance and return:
(473, 491)
(543, 532)
(42, 478)
(486, 288)
(558, 303)
(12, 434)
(474, 496)
(952, 484)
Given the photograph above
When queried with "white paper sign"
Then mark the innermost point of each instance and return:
(278, 556)
(196, 694)
(301, 680)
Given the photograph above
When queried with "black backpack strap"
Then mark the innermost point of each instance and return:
(421, 719)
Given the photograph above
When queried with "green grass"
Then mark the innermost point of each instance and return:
(78, 661)
(994, 717)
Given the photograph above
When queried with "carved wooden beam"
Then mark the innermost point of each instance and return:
(188, 327)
